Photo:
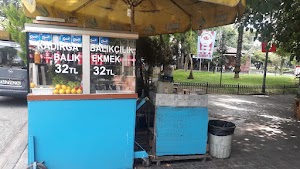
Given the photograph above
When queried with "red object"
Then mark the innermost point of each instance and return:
(94, 58)
(129, 61)
(79, 58)
(59, 55)
(31, 54)
(42, 57)
(48, 57)
(264, 47)
(99, 62)
(91, 60)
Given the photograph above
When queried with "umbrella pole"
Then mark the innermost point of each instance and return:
(132, 18)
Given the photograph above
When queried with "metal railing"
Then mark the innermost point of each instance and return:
(207, 88)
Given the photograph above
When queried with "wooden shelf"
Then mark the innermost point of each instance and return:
(32, 97)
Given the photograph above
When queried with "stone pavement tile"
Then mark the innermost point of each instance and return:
(266, 136)
(189, 166)
(282, 164)
(22, 163)
(14, 150)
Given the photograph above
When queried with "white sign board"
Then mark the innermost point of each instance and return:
(205, 44)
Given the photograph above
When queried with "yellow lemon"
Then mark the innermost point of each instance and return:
(58, 87)
(62, 91)
(79, 91)
(32, 85)
(68, 91)
(73, 91)
(68, 87)
(55, 91)
(64, 87)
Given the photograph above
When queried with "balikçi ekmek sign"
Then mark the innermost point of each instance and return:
(61, 50)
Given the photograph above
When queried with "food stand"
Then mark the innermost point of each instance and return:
(81, 112)
(87, 121)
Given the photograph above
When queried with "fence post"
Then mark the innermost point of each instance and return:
(238, 88)
(207, 88)
(283, 88)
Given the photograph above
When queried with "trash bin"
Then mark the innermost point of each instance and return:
(220, 138)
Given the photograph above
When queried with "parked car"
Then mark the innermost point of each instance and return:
(13, 74)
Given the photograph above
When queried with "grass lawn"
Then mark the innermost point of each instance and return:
(227, 78)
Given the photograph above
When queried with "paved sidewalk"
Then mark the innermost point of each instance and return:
(266, 137)
(13, 130)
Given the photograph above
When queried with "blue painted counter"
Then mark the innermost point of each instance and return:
(83, 134)
(181, 124)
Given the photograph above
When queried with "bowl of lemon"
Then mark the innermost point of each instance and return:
(64, 89)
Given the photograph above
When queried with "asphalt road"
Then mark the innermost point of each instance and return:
(13, 129)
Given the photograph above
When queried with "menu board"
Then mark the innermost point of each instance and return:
(112, 65)
(112, 62)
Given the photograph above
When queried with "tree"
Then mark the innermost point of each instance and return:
(15, 20)
(222, 50)
(262, 16)
(237, 67)
(282, 54)
(230, 34)
(152, 51)
(187, 44)
(287, 28)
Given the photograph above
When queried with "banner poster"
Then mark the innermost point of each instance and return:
(264, 47)
(205, 45)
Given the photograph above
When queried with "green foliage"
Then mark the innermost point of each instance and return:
(275, 21)
(15, 24)
(288, 30)
(58, 79)
(188, 41)
(230, 34)
(190, 45)
(258, 56)
(154, 50)
(261, 16)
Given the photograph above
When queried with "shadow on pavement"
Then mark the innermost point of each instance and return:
(11, 101)
(266, 135)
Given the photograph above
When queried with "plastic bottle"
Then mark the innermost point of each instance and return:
(37, 59)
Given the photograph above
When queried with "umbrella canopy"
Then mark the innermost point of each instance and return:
(147, 17)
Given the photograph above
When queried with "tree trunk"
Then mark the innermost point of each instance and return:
(191, 68)
(182, 59)
(186, 64)
(237, 68)
(265, 71)
(281, 66)
(179, 66)
(142, 85)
